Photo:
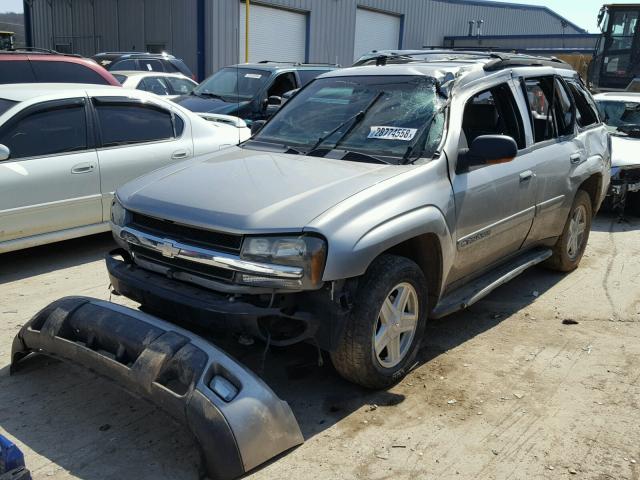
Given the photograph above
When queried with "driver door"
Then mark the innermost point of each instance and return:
(495, 204)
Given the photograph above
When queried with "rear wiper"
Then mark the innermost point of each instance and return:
(356, 119)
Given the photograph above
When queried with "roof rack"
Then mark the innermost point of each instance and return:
(508, 60)
(302, 64)
(46, 51)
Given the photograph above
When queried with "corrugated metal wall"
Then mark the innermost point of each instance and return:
(91, 26)
(100, 25)
(332, 24)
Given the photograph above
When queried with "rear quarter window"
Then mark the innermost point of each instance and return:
(16, 71)
(65, 72)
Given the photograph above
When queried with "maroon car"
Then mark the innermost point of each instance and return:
(26, 66)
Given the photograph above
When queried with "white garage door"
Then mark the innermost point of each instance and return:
(274, 34)
(375, 31)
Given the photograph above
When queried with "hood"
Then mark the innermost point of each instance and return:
(247, 191)
(208, 105)
(624, 151)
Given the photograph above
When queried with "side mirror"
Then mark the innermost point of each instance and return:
(488, 150)
(273, 104)
(256, 126)
(5, 153)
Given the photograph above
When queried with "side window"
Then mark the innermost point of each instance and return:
(120, 78)
(283, 83)
(47, 131)
(492, 112)
(155, 85)
(180, 86)
(151, 65)
(63, 72)
(564, 109)
(586, 110)
(124, 65)
(128, 123)
(16, 71)
(179, 125)
(307, 75)
(552, 108)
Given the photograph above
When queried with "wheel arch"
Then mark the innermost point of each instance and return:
(593, 187)
(426, 251)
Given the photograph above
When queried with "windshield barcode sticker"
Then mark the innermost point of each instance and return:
(252, 75)
(392, 133)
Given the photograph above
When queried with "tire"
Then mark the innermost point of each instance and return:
(568, 250)
(396, 279)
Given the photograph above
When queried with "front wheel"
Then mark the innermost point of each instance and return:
(570, 247)
(384, 331)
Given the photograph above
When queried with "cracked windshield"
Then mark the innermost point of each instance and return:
(396, 117)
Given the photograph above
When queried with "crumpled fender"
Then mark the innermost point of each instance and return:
(237, 420)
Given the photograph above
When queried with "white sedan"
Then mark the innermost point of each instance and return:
(621, 114)
(170, 85)
(64, 149)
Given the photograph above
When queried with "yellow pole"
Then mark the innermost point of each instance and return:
(246, 31)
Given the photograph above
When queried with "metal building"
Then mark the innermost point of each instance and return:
(209, 34)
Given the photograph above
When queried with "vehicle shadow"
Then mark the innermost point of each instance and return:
(34, 261)
(611, 222)
(93, 429)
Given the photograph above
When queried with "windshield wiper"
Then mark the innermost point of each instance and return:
(411, 149)
(207, 94)
(356, 119)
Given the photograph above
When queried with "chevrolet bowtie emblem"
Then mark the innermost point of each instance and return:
(168, 249)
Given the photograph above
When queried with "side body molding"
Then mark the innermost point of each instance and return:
(237, 420)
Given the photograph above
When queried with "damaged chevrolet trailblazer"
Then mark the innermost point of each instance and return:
(377, 197)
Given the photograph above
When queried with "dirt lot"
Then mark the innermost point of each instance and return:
(504, 390)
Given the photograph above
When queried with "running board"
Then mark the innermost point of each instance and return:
(479, 288)
(237, 420)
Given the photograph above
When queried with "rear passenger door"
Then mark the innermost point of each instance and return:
(51, 181)
(136, 137)
(558, 152)
(494, 204)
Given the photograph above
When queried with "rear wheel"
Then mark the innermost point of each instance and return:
(570, 247)
(384, 331)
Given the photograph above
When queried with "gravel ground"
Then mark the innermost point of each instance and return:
(503, 390)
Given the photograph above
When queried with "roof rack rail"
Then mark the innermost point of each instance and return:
(463, 48)
(38, 50)
(312, 64)
(505, 60)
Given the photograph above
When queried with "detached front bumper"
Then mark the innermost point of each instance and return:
(236, 418)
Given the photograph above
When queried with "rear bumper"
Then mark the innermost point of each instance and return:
(236, 418)
(311, 315)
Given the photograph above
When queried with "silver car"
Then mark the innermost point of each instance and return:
(65, 148)
(377, 197)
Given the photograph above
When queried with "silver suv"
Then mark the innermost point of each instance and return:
(376, 198)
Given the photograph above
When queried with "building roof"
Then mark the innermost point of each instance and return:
(520, 6)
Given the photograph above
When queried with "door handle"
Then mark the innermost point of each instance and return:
(83, 168)
(526, 175)
(180, 154)
(575, 158)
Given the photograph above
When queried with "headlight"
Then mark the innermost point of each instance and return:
(306, 252)
(118, 213)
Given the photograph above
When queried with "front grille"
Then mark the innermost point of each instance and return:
(181, 264)
(226, 242)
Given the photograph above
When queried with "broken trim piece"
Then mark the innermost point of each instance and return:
(237, 420)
